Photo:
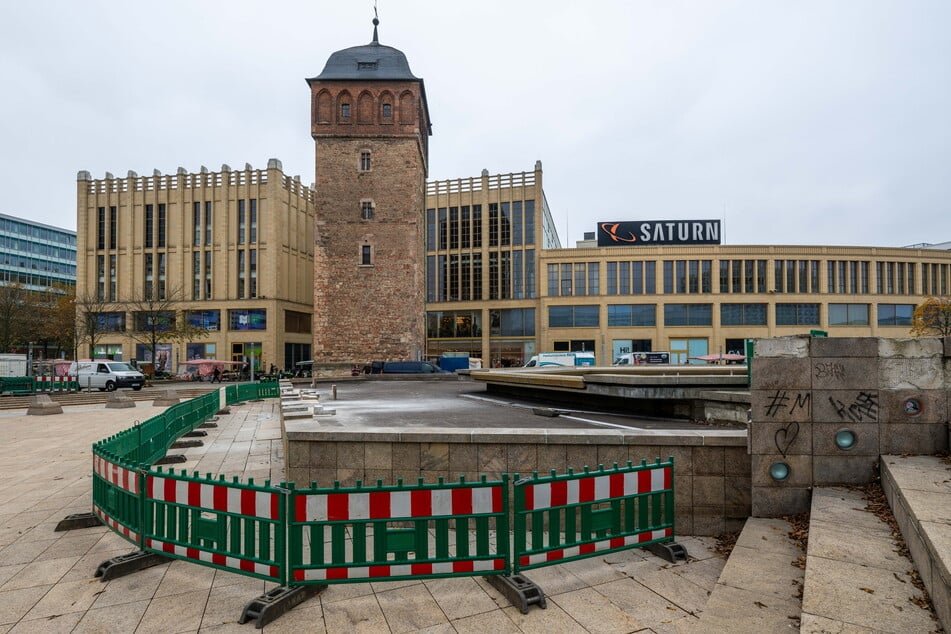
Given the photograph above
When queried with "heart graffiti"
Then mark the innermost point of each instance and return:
(785, 436)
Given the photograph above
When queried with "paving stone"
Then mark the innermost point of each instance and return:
(496, 622)
(14, 604)
(595, 612)
(410, 608)
(461, 597)
(115, 618)
(356, 614)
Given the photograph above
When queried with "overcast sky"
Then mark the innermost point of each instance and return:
(807, 122)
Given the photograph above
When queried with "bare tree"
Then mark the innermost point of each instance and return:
(14, 316)
(156, 321)
(93, 321)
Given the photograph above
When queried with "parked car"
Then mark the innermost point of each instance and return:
(411, 367)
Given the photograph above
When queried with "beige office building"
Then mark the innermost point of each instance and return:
(233, 249)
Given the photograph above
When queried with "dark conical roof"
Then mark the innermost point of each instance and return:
(370, 61)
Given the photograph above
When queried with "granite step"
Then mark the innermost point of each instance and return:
(856, 580)
(918, 489)
(759, 587)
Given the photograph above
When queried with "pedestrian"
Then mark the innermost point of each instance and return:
(216, 376)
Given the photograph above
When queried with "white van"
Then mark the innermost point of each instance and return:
(561, 359)
(107, 375)
(643, 358)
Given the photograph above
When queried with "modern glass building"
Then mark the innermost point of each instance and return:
(36, 256)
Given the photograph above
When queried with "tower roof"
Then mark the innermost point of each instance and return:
(372, 61)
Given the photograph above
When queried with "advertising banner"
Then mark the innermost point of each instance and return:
(658, 232)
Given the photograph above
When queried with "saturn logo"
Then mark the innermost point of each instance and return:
(611, 228)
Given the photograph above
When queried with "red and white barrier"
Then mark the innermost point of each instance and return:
(215, 496)
(381, 505)
(593, 547)
(596, 488)
(400, 570)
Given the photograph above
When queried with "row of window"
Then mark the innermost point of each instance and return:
(156, 225)
(238, 319)
(368, 108)
(509, 224)
(10, 227)
(458, 277)
(512, 322)
(30, 248)
(746, 276)
(624, 315)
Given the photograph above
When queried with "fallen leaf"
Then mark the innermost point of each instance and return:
(760, 604)
(869, 590)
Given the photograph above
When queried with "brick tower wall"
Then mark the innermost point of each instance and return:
(376, 312)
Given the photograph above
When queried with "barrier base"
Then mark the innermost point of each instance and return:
(671, 551)
(267, 607)
(78, 520)
(185, 444)
(519, 590)
(173, 458)
(198, 433)
(127, 564)
(211, 425)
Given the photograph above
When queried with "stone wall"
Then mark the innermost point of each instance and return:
(711, 470)
(824, 409)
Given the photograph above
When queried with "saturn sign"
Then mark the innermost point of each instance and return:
(654, 232)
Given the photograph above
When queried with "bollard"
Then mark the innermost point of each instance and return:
(333, 392)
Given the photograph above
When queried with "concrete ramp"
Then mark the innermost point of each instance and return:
(759, 588)
(856, 580)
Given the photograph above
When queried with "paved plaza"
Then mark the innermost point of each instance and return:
(47, 581)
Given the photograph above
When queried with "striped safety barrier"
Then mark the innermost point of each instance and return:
(566, 517)
(116, 497)
(233, 526)
(365, 517)
(56, 383)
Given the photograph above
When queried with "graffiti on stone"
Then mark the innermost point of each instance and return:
(830, 370)
(781, 402)
(785, 436)
(863, 409)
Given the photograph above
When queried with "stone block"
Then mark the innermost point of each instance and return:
(608, 455)
(298, 454)
(350, 477)
(405, 459)
(845, 373)
(846, 406)
(708, 520)
(844, 347)
(580, 456)
(791, 346)
(434, 456)
(492, 458)
(800, 471)
(912, 374)
(379, 455)
(552, 457)
(771, 501)
(463, 457)
(910, 348)
(781, 405)
(321, 477)
(708, 461)
(323, 455)
(43, 405)
(683, 521)
(351, 455)
(841, 470)
(946, 345)
(708, 491)
(866, 439)
(736, 462)
(913, 406)
(119, 400)
(683, 456)
(737, 493)
(781, 438)
(372, 476)
(683, 490)
(916, 438)
(781, 373)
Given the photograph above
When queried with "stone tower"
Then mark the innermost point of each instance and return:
(370, 125)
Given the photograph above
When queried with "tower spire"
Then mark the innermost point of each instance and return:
(376, 21)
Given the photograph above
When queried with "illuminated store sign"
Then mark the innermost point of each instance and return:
(654, 232)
